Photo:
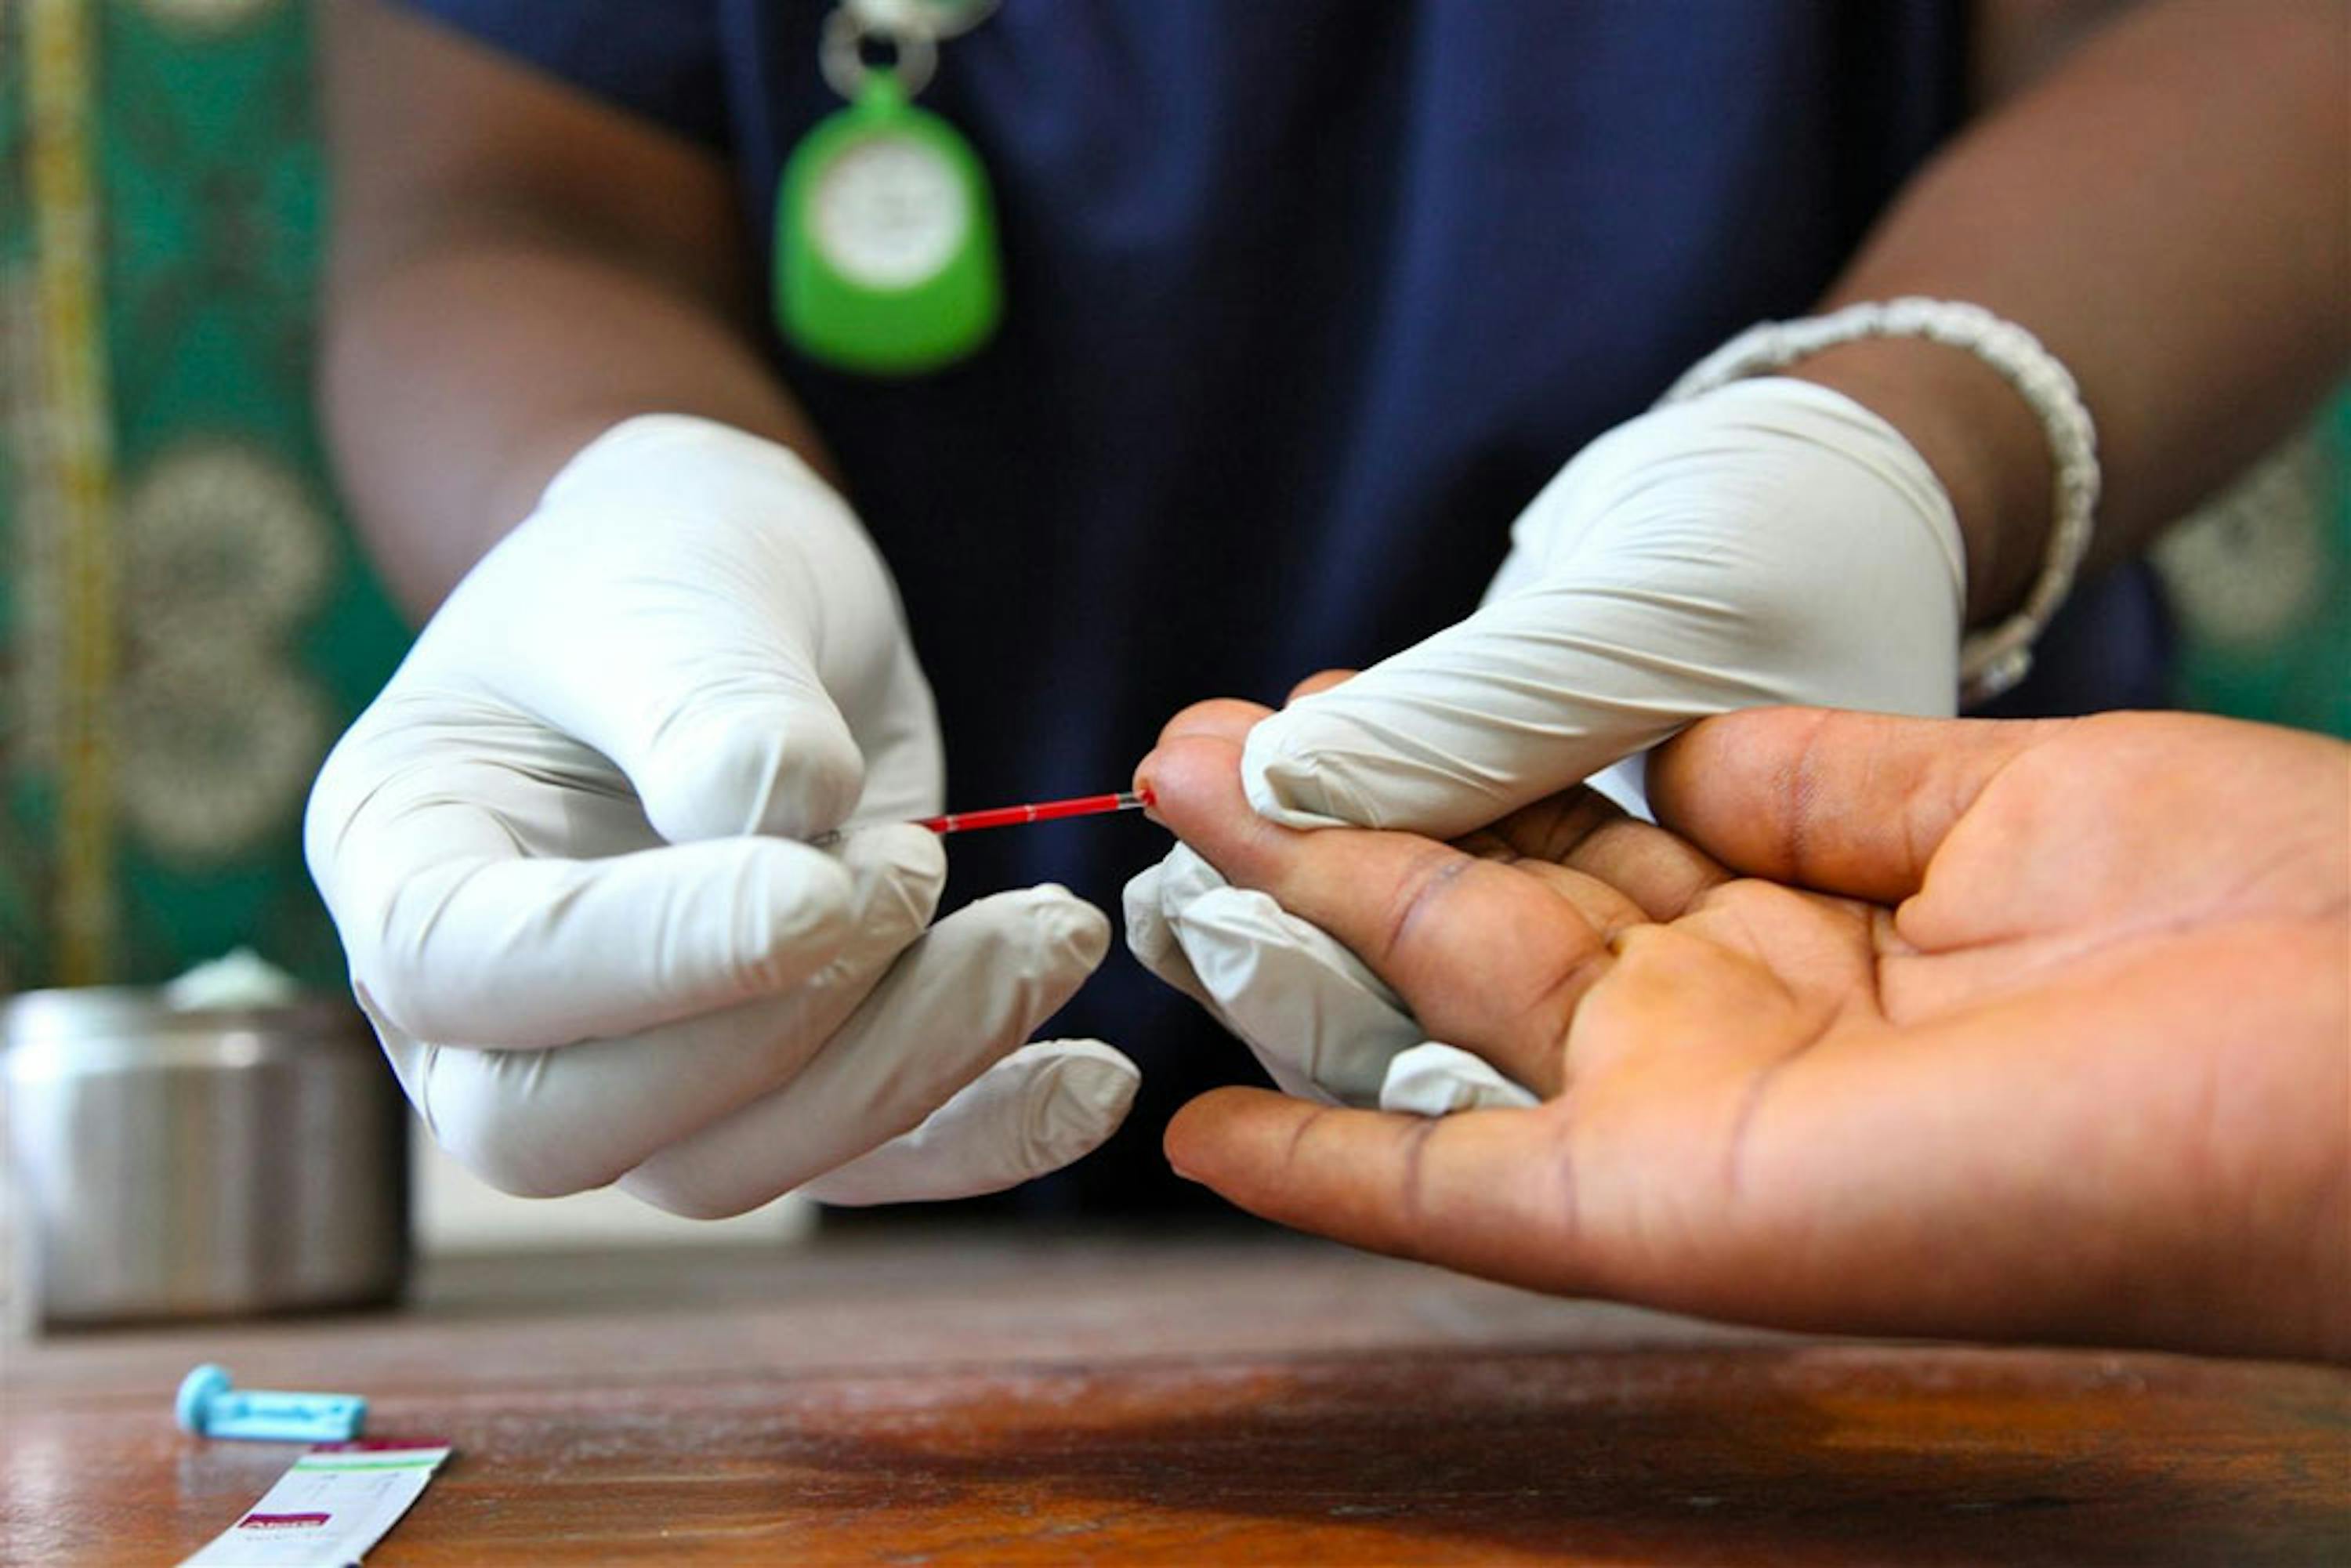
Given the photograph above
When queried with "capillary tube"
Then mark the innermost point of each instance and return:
(1038, 811)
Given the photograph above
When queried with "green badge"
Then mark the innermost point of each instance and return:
(885, 239)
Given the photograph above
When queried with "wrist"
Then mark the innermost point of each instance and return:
(1983, 442)
(681, 454)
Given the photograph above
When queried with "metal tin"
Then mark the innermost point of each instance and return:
(203, 1162)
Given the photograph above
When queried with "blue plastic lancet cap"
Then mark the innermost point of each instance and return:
(210, 1406)
(196, 1392)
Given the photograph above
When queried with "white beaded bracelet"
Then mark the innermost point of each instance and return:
(1995, 659)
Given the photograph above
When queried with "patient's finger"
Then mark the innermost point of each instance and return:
(1227, 716)
(1488, 957)
(1587, 832)
(1578, 829)
(1849, 804)
(1320, 681)
(1487, 1192)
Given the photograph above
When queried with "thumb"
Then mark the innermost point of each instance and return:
(698, 607)
(702, 681)
(1771, 543)
(1848, 803)
(751, 754)
(1524, 698)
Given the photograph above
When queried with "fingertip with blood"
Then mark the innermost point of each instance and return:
(1194, 783)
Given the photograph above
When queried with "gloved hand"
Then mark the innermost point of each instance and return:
(1321, 1023)
(1769, 542)
(566, 850)
(1772, 541)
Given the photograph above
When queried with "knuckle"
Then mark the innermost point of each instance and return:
(1425, 883)
(737, 776)
(520, 1149)
(693, 1200)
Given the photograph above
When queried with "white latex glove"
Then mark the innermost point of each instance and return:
(1769, 542)
(562, 850)
(1322, 1025)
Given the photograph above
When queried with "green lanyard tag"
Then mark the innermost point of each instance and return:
(885, 239)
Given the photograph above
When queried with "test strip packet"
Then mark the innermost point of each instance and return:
(338, 1501)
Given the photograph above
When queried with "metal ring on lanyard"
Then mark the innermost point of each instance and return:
(912, 29)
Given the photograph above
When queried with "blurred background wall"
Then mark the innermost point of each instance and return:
(184, 623)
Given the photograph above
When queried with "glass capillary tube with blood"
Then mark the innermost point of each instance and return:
(1038, 811)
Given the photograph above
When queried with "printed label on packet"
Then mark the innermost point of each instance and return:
(336, 1502)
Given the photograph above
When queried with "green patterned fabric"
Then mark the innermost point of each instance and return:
(244, 628)
(2260, 582)
(20, 879)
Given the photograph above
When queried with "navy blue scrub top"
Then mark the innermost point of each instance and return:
(1305, 299)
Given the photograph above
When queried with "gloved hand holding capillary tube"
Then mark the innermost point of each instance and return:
(1772, 541)
(566, 850)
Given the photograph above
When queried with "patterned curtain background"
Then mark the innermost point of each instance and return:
(184, 623)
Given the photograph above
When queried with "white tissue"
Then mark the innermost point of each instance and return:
(240, 977)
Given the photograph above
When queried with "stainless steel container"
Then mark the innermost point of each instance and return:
(174, 1163)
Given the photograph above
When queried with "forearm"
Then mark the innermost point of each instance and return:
(459, 381)
(514, 266)
(2167, 212)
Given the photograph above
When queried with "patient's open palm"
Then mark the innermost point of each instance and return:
(2031, 1030)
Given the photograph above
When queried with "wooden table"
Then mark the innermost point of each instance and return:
(1007, 1397)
